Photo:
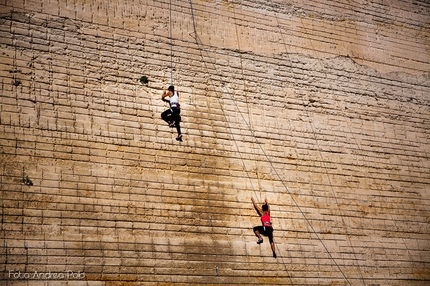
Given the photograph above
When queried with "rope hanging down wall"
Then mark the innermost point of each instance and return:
(199, 43)
(171, 43)
(319, 149)
(342, 110)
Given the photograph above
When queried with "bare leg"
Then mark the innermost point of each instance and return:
(272, 244)
(257, 234)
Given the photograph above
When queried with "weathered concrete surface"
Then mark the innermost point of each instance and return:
(323, 107)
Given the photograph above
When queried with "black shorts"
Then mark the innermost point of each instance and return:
(266, 231)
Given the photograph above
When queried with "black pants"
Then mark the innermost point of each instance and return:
(266, 231)
(173, 115)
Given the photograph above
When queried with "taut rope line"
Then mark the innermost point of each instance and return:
(264, 153)
(171, 44)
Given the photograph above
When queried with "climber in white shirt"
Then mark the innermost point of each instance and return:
(172, 115)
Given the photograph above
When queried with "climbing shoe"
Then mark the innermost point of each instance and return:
(260, 241)
(179, 138)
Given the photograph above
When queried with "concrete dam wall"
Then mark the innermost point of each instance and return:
(320, 107)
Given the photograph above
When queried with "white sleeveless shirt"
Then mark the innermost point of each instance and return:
(174, 100)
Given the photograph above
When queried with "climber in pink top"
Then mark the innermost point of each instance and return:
(266, 228)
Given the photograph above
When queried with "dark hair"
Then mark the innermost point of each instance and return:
(171, 88)
(265, 207)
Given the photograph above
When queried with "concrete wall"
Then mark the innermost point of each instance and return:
(322, 107)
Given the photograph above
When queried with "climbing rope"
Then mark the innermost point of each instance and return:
(171, 44)
(253, 135)
(314, 133)
(319, 148)
(199, 42)
(229, 127)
